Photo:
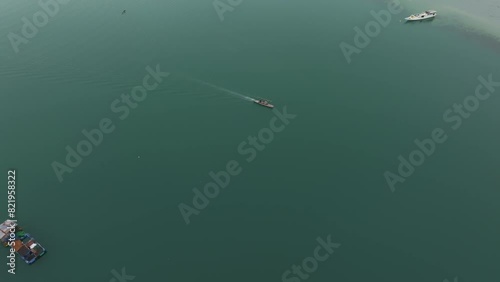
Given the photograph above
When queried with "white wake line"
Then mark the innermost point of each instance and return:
(239, 95)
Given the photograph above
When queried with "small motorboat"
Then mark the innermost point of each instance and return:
(422, 16)
(263, 102)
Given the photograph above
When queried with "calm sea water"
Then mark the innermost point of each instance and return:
(322, 175)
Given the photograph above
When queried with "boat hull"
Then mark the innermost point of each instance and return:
(264, 105)
(267, 105)
(421, 17)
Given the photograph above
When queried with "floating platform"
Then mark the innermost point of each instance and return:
(24, 244)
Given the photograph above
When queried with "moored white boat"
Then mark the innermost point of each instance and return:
(422, 16)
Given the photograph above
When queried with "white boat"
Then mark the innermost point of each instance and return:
(422, 16)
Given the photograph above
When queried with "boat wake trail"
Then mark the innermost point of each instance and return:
(239, 95)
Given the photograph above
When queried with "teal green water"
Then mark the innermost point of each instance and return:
(322, 175)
